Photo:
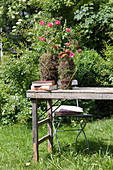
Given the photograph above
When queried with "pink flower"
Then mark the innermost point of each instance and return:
(59, 57)
(42, 23)
(49, 24)
(56, 46)
(42, 38)
(78, 45)
(79, 50)
(71, 55)
(57, 22)
(67, 44)
(68, 30)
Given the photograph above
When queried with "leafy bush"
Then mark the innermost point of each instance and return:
(108, 52)
(94, 71)
(17, 73)
(93, 25)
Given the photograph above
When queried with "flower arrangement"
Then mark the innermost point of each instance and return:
(56, 38)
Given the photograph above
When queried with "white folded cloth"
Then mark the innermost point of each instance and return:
(67, 108)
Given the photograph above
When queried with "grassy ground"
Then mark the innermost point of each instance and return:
(16, 149)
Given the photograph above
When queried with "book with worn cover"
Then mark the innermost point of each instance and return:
(40, 83)
(47, 88)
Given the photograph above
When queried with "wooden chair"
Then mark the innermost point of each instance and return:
(64, 111)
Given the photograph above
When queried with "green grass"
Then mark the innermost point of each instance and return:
(16, 148)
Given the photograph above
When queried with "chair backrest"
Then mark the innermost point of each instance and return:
(74, 82)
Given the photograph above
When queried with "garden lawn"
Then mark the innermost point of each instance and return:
(16, 150)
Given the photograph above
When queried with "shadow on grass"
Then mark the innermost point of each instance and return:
(81, 148)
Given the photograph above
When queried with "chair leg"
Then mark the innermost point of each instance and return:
(82, 130)
(58, 143)
(55, 130)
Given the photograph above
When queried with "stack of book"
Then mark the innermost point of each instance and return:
(44, 85)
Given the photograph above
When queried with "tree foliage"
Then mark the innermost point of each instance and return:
(18, 16)
(94, 25)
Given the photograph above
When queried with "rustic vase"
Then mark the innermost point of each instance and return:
(48, 66)
(66, 72)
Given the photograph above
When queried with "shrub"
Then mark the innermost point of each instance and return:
(17, 74)
(108, 52)
(94, 71)
(93, 25)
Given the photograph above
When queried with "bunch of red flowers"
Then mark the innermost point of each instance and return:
(54, 35)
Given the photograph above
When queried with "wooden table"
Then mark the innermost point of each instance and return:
(97, 93)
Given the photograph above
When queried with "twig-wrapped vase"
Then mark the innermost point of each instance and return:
(48, 66)
(66, 72)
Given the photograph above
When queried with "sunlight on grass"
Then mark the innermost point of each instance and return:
(16, 150)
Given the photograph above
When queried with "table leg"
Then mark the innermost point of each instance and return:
(50, 128)
(35, 130)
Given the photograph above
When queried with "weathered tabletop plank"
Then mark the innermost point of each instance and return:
(98, 93)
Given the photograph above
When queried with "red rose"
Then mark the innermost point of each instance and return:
(71, 55)
(57, 22)
(49, 24)
(42, 38)
(42, 23)
(68, 30)
(79, 50)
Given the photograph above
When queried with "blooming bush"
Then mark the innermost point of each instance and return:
(58, 39)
